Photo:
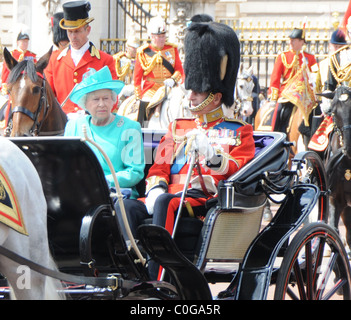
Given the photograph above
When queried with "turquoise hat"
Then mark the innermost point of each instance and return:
(92, 81)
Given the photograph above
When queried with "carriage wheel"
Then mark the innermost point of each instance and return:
(307, 273)
(311, 170)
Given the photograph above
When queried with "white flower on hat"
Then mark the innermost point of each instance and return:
(156, 25)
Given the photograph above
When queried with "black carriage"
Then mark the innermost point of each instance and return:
(289, 252)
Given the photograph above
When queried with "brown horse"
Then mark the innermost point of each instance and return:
(35, 110)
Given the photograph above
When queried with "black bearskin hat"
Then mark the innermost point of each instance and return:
(212, 58)
(59, 34)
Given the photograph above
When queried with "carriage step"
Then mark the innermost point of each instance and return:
(189, 281)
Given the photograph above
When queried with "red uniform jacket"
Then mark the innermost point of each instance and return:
(150, 70)
(63, 75)
(169, 169)
(285, 67)
(19, 56)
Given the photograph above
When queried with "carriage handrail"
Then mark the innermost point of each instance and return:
(119, 196)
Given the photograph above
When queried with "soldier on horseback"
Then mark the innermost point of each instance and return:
(288, 74)
(125, 64)
(157, 66)
(327, 82)
(339, 73)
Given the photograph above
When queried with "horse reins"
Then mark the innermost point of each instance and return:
(43, 105)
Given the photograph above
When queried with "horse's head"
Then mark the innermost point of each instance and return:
(340, 109)
(27, 89)
(244, 88)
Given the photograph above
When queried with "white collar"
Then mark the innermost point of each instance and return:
(78, 54)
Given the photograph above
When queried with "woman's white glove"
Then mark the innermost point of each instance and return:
(169, 82)
(200, 143)
(151, 198)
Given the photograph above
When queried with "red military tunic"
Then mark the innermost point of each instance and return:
(285, 67)
(150, 70)
(63, 75)
(233, 137)
(234, 142)
(19, 55)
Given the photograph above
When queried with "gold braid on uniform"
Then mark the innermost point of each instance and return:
(145, 65)
(203, 104)
(182, 140)
(121, 72)
(339, 74)
(293, 65)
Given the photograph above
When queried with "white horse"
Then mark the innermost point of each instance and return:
(22, 198)
(243, 96)
(174, 106)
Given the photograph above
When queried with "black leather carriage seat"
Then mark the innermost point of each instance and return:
(75, 188)
(271, 155)
(152, 138)
(241, 201)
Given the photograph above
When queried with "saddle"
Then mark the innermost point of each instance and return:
(266, 123)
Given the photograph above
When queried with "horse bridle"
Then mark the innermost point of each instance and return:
(43, 105)
(239, 101)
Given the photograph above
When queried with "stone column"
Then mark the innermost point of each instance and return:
(181, 12)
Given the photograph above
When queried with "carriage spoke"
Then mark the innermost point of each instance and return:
(291, 294)
(338, 286)
(309, 271)
(299, 281)
(326, 275)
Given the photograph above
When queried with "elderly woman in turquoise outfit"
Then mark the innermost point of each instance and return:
(119, 137)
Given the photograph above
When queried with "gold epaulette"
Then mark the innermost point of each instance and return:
(94, 52)
(340, 74)
(121, 72)
(235, 120)
(340, 49)
(142, 48)
(119, 55)
(171, 44)
(146, 65)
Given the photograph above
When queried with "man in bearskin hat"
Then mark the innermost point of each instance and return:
(286, 67)
(212, 57)
(66, 67)
(157, 65)
(59, 35)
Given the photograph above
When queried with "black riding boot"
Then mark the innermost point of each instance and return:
(142, 112)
